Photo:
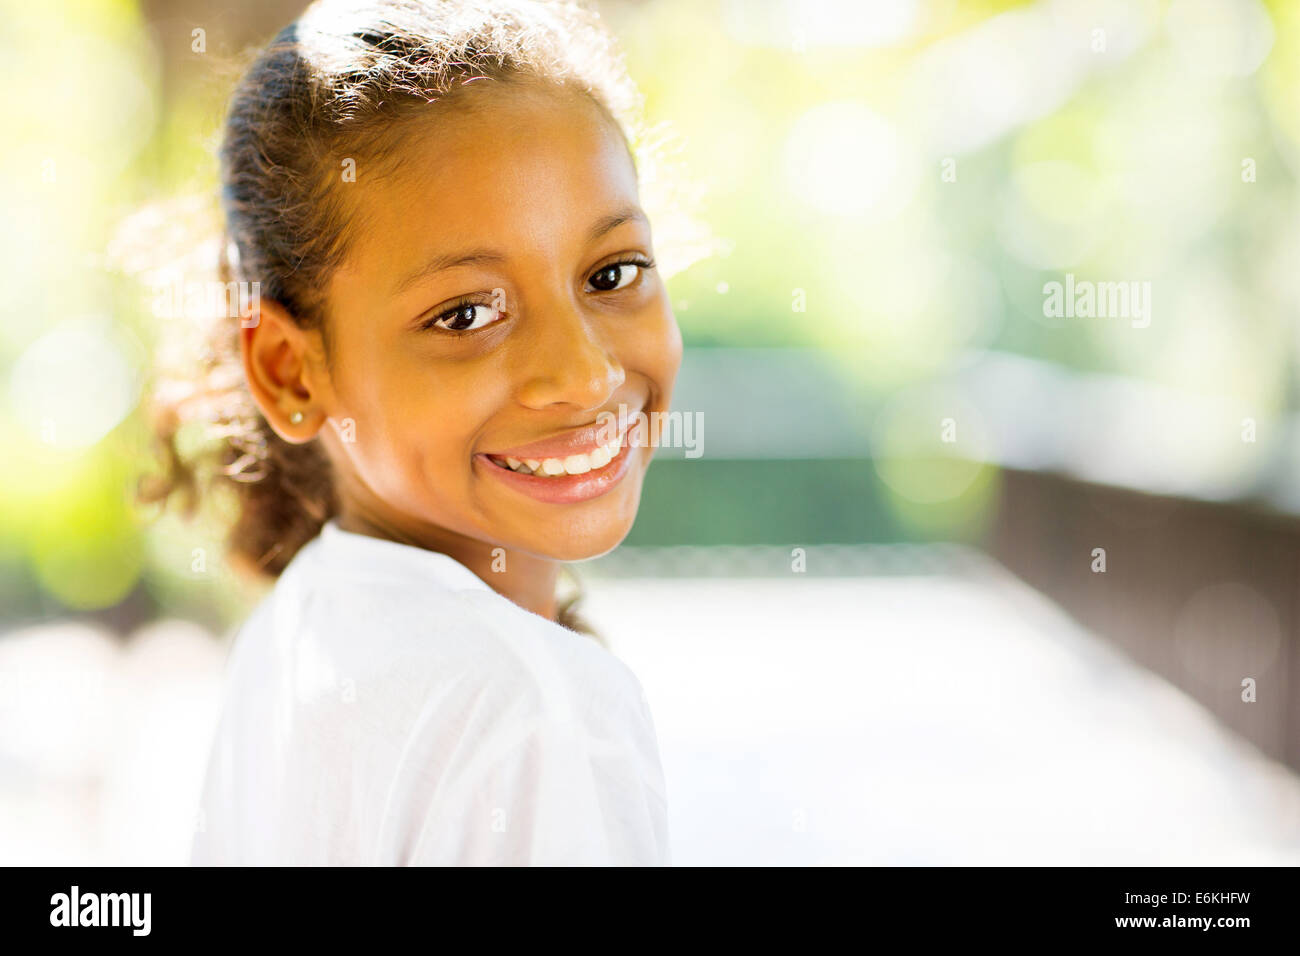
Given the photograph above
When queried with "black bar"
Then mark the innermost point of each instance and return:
(334, 906)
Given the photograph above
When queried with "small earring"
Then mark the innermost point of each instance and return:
(296, 418)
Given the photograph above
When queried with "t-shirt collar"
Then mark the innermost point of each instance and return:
(353, 550)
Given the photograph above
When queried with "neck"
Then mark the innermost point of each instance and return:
(525, 579)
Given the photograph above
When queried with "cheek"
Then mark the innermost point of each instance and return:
(437, 416)
(660, 346)
(414, 416)
(674, 346)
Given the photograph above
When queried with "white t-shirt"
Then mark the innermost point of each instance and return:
(384, 706)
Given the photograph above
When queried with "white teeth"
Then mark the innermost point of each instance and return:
(572, 465)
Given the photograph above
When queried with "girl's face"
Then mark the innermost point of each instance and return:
(499, 297)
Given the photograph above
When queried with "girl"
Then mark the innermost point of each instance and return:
(457, 289)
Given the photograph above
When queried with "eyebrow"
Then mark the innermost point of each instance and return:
(451, 260)
(614, 220)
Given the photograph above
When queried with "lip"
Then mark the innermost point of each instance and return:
(563, 489)
(580, 441)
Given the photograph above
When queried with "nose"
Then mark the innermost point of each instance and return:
(569, 361)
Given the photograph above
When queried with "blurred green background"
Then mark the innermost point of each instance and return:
(892, 185)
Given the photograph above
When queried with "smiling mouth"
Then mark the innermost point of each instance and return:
(594, 460)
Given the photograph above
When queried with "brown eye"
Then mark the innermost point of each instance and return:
(614, 276)
(467, 317)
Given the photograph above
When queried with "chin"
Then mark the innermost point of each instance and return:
(586, 551)
(584, 547)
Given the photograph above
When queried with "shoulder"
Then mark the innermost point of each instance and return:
(558, 765)
(393, 626)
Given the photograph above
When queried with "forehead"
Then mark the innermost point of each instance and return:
(523, 169)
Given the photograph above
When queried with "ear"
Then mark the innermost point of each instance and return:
(286, 371)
